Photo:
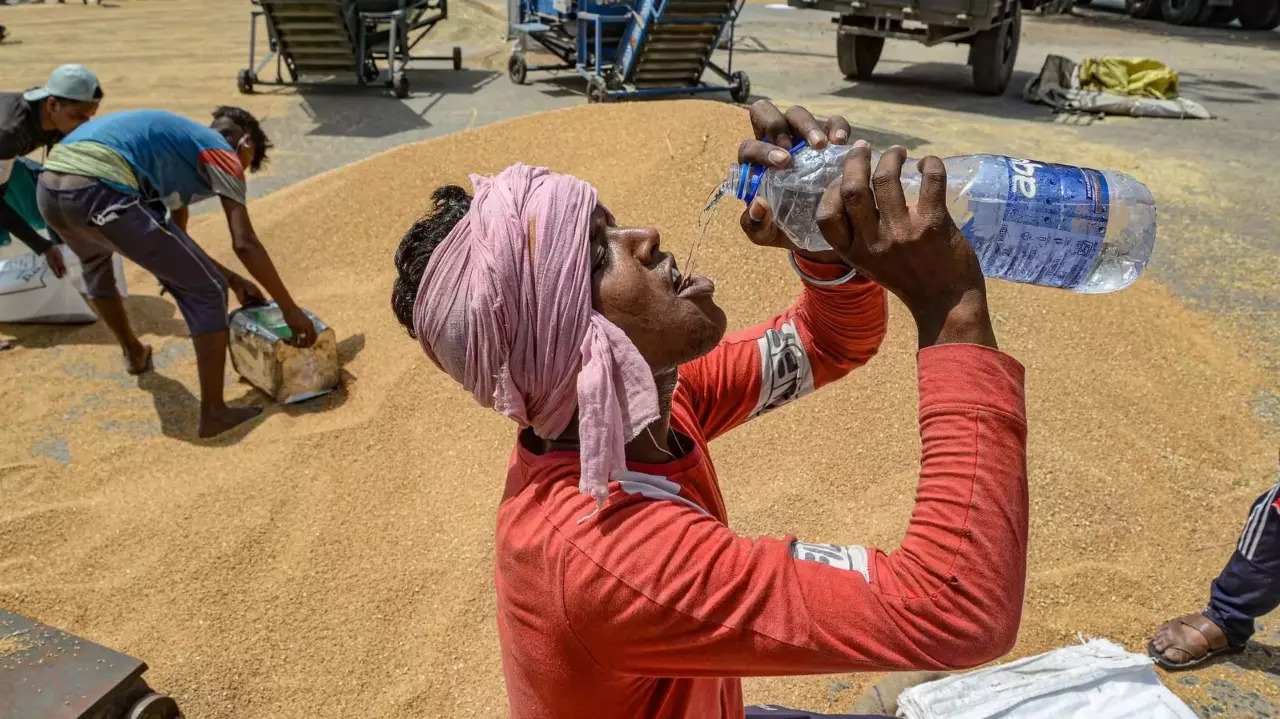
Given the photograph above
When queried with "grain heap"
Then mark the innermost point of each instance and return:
(336, 560)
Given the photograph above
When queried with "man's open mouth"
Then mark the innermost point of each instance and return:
(690, 286)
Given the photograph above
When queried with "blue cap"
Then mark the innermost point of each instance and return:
(69, 82)
(749, 176)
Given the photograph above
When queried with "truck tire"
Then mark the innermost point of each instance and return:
(858, 54)
(1216, 15)
(1143, 9)
(994, 51)
(1258, 14)
(1181, 12)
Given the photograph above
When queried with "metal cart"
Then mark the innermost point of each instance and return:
(991, 29)
(629, 48)
(315, 42)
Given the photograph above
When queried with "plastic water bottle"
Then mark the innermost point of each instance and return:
(1079, 229)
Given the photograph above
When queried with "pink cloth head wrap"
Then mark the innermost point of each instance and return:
(504, 308)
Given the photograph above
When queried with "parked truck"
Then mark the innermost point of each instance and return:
(990, 28)
(1252, 14)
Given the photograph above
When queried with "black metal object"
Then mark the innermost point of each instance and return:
(46, 673)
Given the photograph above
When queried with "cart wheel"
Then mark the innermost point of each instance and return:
(517, 69)
(244, 81)
(741, 89)
(1258, 14)
(457, 58)
(597, 91)
(858, 54)
(155, 706)
(400, 85)
(994, 52)
(1143, 9)
(1181, 12)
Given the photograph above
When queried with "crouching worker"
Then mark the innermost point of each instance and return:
(33, 120)
(105, 190)
(622, 591)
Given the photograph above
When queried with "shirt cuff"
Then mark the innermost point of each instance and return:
(971, 376)
(825, 271)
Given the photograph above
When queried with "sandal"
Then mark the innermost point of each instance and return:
(1192, 635)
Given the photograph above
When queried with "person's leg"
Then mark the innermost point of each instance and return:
(66, 213)
(155, 243)
(216, 416)
(1248, 587)
(137, 355)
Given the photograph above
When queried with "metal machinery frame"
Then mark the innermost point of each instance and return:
(647, 49)
(320, 42)
(51, 674)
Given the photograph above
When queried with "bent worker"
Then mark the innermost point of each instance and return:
(622, 591)
(105, 190)
(1247, 588)
(30, 121)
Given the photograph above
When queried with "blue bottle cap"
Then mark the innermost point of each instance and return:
(749, 176)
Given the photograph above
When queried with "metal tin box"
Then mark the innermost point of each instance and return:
(261, 353)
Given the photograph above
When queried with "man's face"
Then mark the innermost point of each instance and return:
(637, 287)
(67, 115)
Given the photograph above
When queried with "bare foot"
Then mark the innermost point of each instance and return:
(138, 359)
(225, 419)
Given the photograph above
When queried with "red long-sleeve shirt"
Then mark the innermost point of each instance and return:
(654, 607)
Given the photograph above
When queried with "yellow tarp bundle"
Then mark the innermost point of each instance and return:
(1139, 76)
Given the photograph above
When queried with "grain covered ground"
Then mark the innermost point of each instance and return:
(335, 559)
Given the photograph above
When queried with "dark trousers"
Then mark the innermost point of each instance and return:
(1249, 586)
(96, 220)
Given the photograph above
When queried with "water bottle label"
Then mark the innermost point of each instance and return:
(1055, 218)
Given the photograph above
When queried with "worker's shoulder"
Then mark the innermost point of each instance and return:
(12, 102)
(151, 121)
(14, 111)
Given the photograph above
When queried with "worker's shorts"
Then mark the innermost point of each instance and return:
(96, 220)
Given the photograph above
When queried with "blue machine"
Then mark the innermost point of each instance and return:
(630, 48)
